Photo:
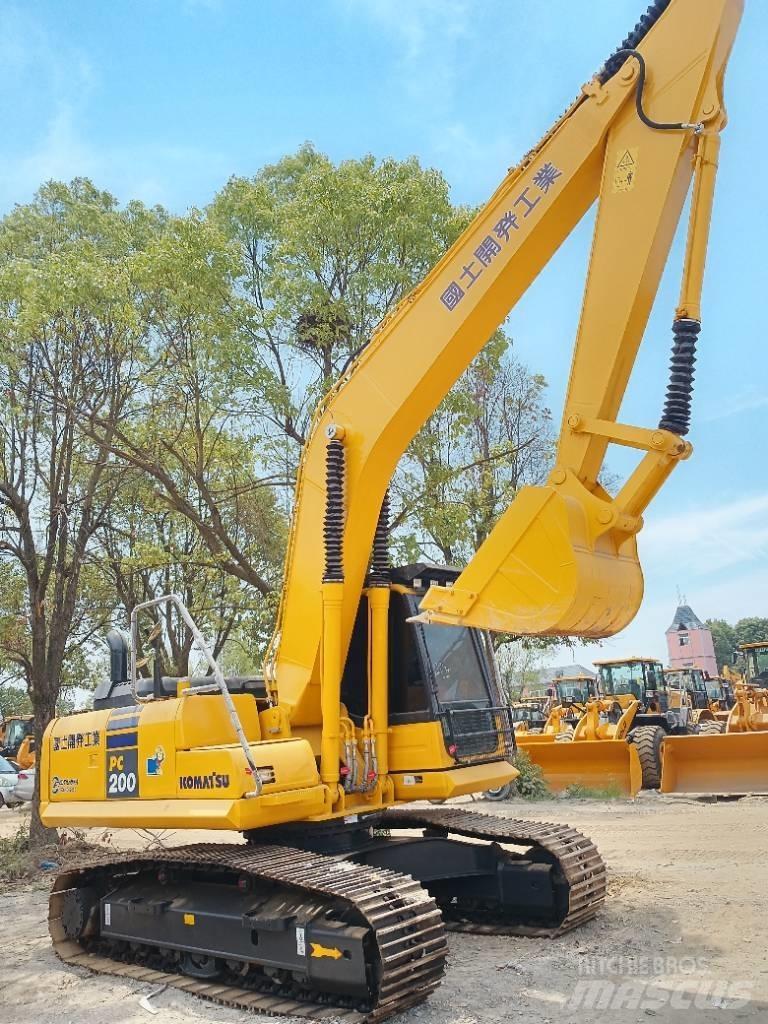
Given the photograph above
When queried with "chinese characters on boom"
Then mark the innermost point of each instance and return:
(543, 180)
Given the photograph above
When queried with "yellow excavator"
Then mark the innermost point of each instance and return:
(380, 686)
(736, 761)
(17, 741)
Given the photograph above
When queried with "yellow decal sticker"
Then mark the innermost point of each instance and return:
(625, 174)
(318, 950)
(189, 919)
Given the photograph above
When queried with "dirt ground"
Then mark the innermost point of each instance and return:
(683, 934)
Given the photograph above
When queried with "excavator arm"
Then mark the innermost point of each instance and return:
(563, 557)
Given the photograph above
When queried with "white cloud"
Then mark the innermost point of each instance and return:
(421, 26)
(706, 538)
(426, 35)
(734, 406)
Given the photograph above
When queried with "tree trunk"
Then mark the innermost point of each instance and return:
(43, 695)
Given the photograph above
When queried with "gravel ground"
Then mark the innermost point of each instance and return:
(683, 934)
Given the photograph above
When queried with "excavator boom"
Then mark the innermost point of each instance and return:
(563, 558)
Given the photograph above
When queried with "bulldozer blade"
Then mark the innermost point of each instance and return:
(731, 763)
(596, 764)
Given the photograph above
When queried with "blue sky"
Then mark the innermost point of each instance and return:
(163, 100)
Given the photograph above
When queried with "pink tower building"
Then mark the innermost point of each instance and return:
(689, 642)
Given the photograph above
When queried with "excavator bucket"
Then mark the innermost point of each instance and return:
(729, 763)
(596, 764)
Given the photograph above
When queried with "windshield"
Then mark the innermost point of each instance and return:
(16, 732)
(631, 678)
(6, 766)
(571, 691)
(619, 679)
(687, 680)
(758, 664)
(525, 714)
(455, 663)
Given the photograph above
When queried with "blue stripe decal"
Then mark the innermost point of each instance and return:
(124, 739)
(129, 722)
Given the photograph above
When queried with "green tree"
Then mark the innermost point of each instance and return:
(14, 700)
(192, 430)
(725, 640)
(326, 252)
(150, 550)
(70, 351)
(490, 436)
(256, 307)
(751, 630)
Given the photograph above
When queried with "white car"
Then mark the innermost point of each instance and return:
(25, 786)
(9, 778)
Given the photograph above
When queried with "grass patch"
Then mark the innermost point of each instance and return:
(530, 783)
(578, 792)
(15, 862)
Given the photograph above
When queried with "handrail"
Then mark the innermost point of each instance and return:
(220, 684)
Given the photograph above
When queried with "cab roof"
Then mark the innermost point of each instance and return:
(629, 661)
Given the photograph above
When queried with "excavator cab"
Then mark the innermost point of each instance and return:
(442, 675)
(15, 731)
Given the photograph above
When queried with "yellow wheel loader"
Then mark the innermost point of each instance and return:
(596, 754)
(704, 708)
(573, 693)
(721, 697)
(661, 710)
(380, 686)
(737, 761)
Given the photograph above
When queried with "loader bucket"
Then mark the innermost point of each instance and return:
(597, 764)
(734, 762)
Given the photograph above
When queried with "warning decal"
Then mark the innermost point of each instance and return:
(625, 173)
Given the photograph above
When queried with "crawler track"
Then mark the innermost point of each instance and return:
(406, 923)
(577, 858)
(406, 926)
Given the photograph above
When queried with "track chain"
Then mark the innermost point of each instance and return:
(406, 924)
(577, 858)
